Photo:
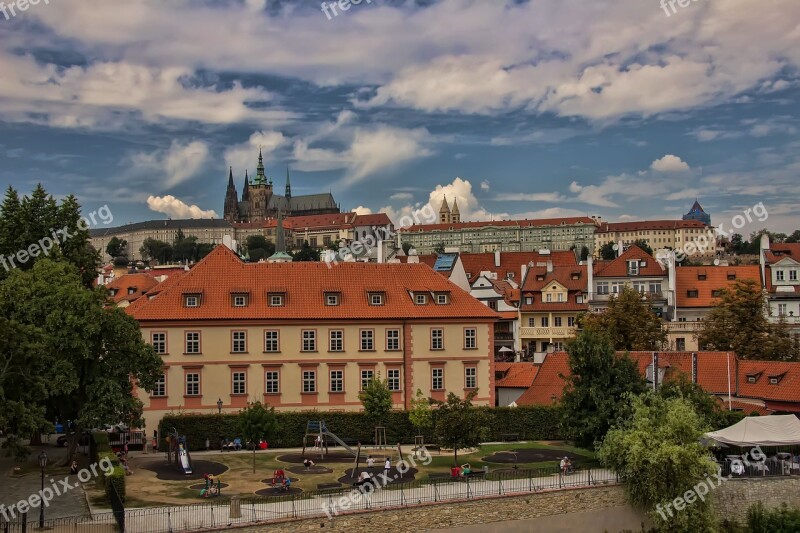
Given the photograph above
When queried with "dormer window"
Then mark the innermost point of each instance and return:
(692, 293)
(731, 276)
(716, 293)
(276, 300)
(240, 300)
(774, 380)
(191, 300)
(420, 299)
(701, 275)
(753, 378)
(442, 299)
(131, 290)
(376, 298)
(331, 298)
(633, 268)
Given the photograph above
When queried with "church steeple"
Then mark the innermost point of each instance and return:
(261, 178)
(288, 186)
(231, 210)
(455, 215)
(246, 191)
(444, 212)
(280, 255)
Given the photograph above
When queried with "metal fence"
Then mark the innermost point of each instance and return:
(737, 468)
(222, 513)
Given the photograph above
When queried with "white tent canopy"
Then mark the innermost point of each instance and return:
(774, 430)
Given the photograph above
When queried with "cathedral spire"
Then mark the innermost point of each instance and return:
(246, 191)
(231, 208)
(280, 255)
(288, 186)
(261, 178)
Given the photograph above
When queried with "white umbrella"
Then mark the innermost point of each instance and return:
(505, 349)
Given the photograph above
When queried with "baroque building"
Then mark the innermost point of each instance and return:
(259, 202)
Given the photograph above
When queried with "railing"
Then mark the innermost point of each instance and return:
(732, 468)
(222, 514)
(503, 336)
(556, 332)
(682, 326)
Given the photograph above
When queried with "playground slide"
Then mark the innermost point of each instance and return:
(341, 442)
(185, 463)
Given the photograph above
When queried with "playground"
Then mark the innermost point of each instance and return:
(326, 462)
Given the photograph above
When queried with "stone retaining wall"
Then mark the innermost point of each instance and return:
(735, 496)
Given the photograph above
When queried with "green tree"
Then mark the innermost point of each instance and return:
(406, 247)
(596, 388)
(439, 248)
(458, 424)
(739, 323)
(203, 249)
(91, 354)
(257, 422)
(704, 404)
(584, 253)
(629, 322)
(657, 454)
(155, 249)
(794, 237)
(306, 253)
(420, 415)
(258, 247)
(116, 247)
(608, 252)
(184, 248)
(377, 400)
(644, 245)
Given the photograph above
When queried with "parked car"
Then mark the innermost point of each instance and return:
(84, 440)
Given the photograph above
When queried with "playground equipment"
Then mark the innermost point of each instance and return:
(178, 451)
(319, 431)
(210, 489)
(380, 437)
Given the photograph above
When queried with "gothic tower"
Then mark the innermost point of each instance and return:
(444, 212)
(231, 210)
(455, 215)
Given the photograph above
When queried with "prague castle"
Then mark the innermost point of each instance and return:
(259, 203)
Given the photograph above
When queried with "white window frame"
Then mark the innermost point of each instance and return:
(367, 375)
(239, 345)
(192, 384)
(309, 340)
(272, 382)
(160, 388)
(239, 382)
(437, 379)
(240, 300)
(309, 380)
(268, 341)
(470, 377)
(376, 299)
(336, 340)
(190, 343)
(336, 380)
(366, 340)
(437, 339)
(470, 338)
(332, 299)
(393, 379)
(392, 340)
(192, 300)
(159, 344)
(420, 299)
(276, 300)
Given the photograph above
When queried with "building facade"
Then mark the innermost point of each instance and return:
(501, 235)
(696, 239)
(259, 201)
(303, 336)
(780, 268)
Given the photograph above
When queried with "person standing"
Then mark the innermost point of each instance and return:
(386, 467)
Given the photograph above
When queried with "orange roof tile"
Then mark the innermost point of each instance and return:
(305, 283)
(746, 407)
(778, 251)
(131, 287)
(786, 390)
(548, 385)
(644, 225)
(500, 223)
(511, 262)
(618, 268)
(708, 279)
(518, 376)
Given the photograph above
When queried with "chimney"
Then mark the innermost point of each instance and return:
(655, 371)
(523, 271)
(380, 251)
(694, 367)
(549, 265)
(590, 275)
(620, 248)
(497, 258)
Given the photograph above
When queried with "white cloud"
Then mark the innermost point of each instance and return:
(485, 185)
(245, 155)
(402, 196)
(176, 208)
(669, 163)
(177, 164)
(531, 197)
(361, 210)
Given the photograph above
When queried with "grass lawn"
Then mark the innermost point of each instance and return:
(144, 489)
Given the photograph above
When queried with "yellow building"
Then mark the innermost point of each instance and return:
(310, 336)
(693, 237)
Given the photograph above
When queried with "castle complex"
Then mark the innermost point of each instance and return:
(259, 203)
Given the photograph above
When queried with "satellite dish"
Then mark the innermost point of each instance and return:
(716, 262)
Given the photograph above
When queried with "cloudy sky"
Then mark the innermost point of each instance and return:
(517, 108)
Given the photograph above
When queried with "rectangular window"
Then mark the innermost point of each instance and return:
(492, 305)
(692, 293)
(531, 322)
(779, 275)
(545, 322)
(528, 300)
(548, 297)
(420, 299)
(471, 377)
(331, 299)
(376, 299)
(275, 300)
(239, 300)
(781, 309)
(159, 342)
(655, 287)
(441, 299)
(367, 340)
(392, 340)
(309, 381)
(560, 296)
(272, 383)
(437, 378)
(192, 342)
(557, 321)
(602, 287)
(193, 384)
(366, 377)
(571, 321)
(309, 340)
(239, 340)
(271, 341)
(239, 383)
(793, 275)
(192, 301)
(337, 381)
(616, 287)
(470, 338)
(680, 344)
(640, 287)
(437, 339)
(393, 379)
(160, 389)
(336, 340)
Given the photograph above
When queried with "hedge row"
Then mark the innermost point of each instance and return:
(100, 450)
(530, 423)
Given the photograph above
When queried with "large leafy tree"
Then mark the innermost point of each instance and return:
(42, 228)
(258, 247)
(306, 253)
(184, 248)
(597, 387)
(258, 421)
(705, 405)
(155, 249)
(420, 414)
(739, 323)
(657, 453)
(629, 322)
(90, 355)
(377, 400)
(116, 247)
(458, 424)
(608, 252)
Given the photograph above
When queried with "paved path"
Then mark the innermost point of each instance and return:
(599, 521)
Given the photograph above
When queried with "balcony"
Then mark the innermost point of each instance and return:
(679, 327)
(554, 332)
(503, 336)
(604, 297)
(791, 320)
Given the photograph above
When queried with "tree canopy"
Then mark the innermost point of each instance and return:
(306, 253)
(608, 252)
(739, 323)
(644, 245)
(420, 414)
(377, 400)
(629, 322)
(258, 421)
(458, 424)
(155, 249)
(596, 389)
(258, 247)
(116, 247)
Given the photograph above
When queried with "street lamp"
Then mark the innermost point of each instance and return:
(219, 405)
(42, 464)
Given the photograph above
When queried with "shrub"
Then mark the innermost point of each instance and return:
(780, 520)
(99, 450)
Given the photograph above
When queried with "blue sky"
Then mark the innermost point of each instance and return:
(519, 109)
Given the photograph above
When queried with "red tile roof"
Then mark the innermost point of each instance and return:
(222, 272)
(501, 223)
(645, 225)
(511, 262)
(746, 407)
(517, 375)
(131, 287)
(786, 390)
(548, 385)
(573, 278)
(618, 268)
(716, 278)
(778, 251)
